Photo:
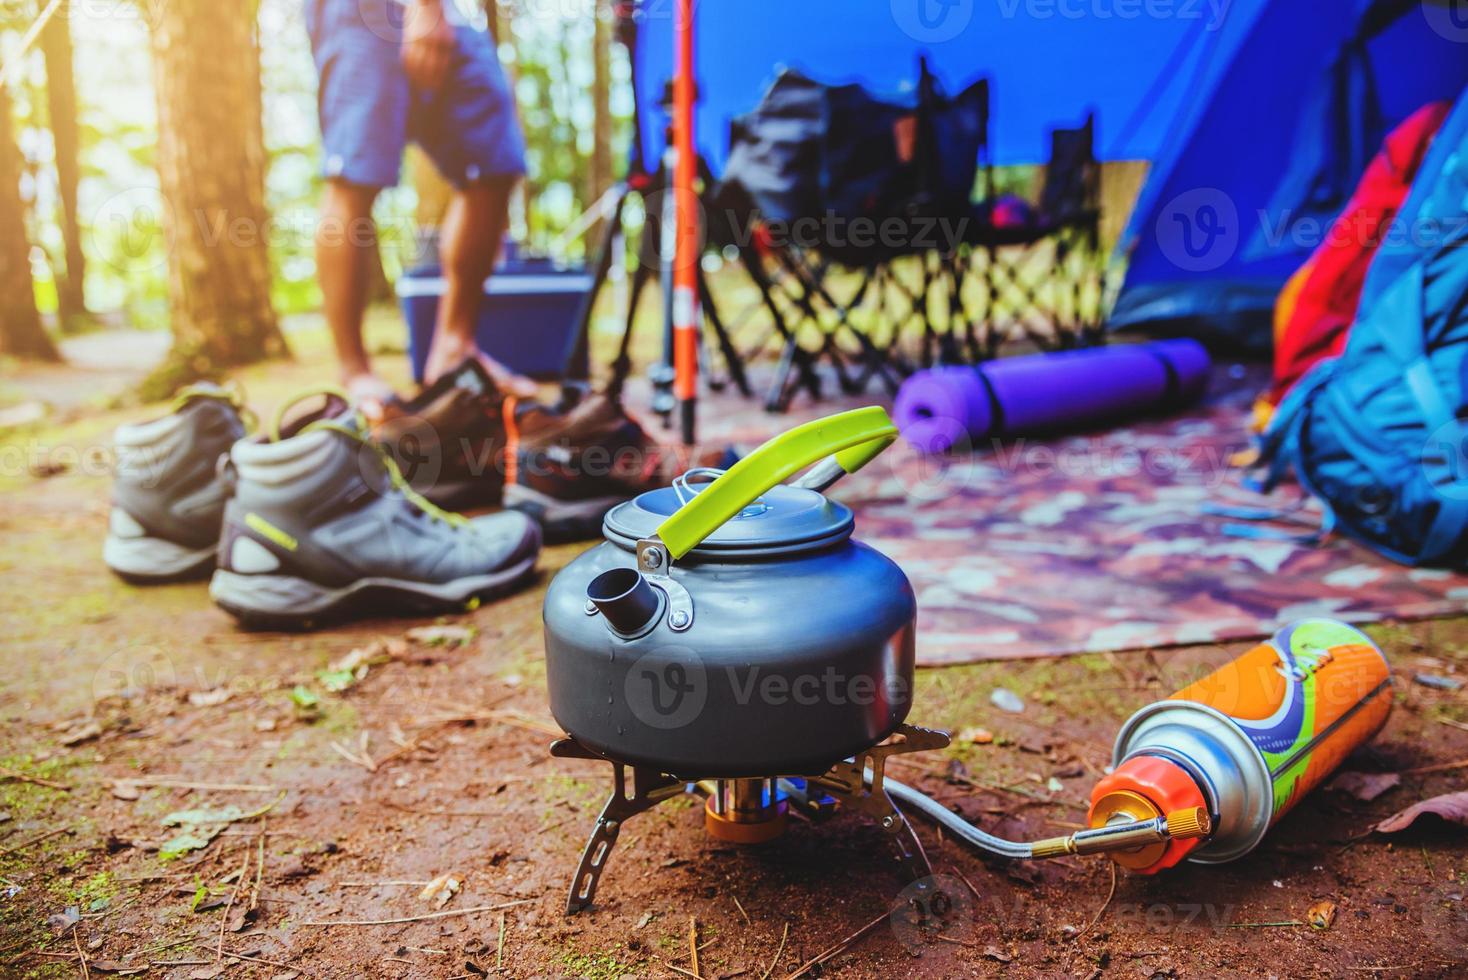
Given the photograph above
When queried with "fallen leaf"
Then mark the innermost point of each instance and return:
(1364, 786)
(1452, 807)
(81, 733)
(62, 921)
(372, 655)
(646, 918)
(26, 413)
(1321, 915)
(440, 890)
(203, 815)
(337, 681)
(304, 698)
(112, 966)
(977, 736)
(442, 635)
(1438, 682)
(241, 918)
(193, 840)
(125, 789)
(265, 724)
(995, 953)
(206, 972)
(208, 699)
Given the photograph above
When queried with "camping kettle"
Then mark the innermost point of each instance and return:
(733, 628)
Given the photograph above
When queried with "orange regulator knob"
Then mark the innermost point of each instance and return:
(1141, 788)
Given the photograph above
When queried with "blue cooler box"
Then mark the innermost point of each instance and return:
(528, 321)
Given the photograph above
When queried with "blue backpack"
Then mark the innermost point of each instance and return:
(1380, 434)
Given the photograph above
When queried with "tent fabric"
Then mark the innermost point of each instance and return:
(1136, 70)
(1248, 188)
(1313, 316)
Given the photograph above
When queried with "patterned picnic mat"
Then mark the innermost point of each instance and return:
(1099, 542)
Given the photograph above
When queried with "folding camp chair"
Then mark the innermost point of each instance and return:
(1053, 302)
(815, 152)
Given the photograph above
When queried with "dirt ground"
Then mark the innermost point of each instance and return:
(352, 790)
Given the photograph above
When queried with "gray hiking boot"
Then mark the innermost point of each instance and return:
(167, 495)
(322, 524)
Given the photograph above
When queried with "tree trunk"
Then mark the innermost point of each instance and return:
(65, 136)
(601, 100)
(211, 167)
(21, 333)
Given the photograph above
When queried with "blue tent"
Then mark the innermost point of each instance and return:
(1258, 115)
(1246, 189)
(1049, 62)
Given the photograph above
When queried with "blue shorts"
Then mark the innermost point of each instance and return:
(369, 110)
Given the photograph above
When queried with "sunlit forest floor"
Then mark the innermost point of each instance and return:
(332, 802)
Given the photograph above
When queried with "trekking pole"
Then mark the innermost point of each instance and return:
(685, 266)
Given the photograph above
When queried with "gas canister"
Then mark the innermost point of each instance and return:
(1246, 742)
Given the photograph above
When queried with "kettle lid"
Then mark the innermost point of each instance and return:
(783, 520)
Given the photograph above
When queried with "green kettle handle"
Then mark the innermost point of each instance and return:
(852, 439)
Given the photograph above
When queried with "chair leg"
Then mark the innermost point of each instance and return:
(732, 359)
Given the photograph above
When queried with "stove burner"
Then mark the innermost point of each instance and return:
(754, 810)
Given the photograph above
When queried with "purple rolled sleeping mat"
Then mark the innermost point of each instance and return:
(1040, 394)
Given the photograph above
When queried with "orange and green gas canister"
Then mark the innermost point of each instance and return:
(1246, 742)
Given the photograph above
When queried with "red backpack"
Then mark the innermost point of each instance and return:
(1316, 307)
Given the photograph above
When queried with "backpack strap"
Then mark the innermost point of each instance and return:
(1398, 324)
(1278, 447)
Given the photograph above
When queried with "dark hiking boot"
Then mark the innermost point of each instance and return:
(449, 441)
(569, 466)
(167, 495)
(322, 525)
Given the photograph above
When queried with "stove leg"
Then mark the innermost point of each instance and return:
(910, 851)
(648, 790)
(594, 858)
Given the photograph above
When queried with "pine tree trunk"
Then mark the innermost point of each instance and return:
(211, 167)
(65, 136)
(601, 100)
(21, 332)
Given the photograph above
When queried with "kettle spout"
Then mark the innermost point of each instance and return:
(625, 598)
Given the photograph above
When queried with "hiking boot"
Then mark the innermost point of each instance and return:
(568, 466)
(322, 524)
(449, 441)
(167, 495)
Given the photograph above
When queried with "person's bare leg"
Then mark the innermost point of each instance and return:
(469, 243)
(343, 240)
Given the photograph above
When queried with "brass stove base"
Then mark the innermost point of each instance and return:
(739, 811)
